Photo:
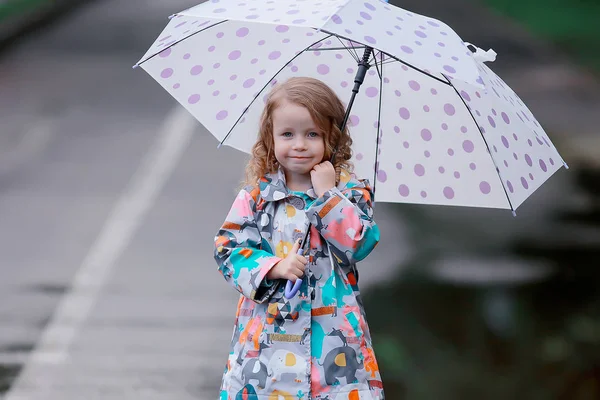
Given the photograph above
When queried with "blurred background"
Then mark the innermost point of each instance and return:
(108, 289)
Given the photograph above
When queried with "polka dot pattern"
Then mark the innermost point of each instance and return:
(417, 39)
(520, 148)
(427, 148)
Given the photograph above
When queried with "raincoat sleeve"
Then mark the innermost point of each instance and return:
(239, 252)
(345, 220)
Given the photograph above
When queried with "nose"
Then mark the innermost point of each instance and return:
(299, 143)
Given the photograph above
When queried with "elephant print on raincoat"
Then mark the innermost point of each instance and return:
(316, 345)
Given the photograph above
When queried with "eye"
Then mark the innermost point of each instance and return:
(287, 134)
(313, 134)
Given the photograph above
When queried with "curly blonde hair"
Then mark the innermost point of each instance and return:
(325, 108)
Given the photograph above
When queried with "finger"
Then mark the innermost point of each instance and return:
(301, 259)
(296, 247)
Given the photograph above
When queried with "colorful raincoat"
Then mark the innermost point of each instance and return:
(316, 345)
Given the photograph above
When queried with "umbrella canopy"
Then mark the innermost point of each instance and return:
(432, 124)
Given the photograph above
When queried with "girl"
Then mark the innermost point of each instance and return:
(317, 344)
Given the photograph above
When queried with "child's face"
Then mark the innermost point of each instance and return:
(299, 143)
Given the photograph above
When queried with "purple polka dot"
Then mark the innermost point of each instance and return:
(211, 49)
(473, 166)
(176, 86)
(221, 115)
(381, 176)
(404, 113)
(419, 170)
(196, 70)
(406, 145)
(449, 109)
(441, 170)
(456, 174)
(233, 77)
(233, 96)
(323, 69)
(543, 166)
(403, 190)
(414, 85)
(248, 83)
(427, 154)
(234, 55)
(354, 120)
(370, 39)
(491, 121)
(510, 187)
(216, 93)
(292, 12)
(166, 73)
(407, 49)
(485, 187)
(187, 56)
(165, 53)
(530, 176)
(261, 42)
(423, 194)
(397, 129)
(242, 32)
(193, 99)
(421, 34)
(220, 35)
(450, 152)
(449, 69)
(336, 19)
(219, 10)
(254, 61)
(505, 118)
(282, 28)
(468, 146)
(372, 91)
(426, 108)
(465, 95)
(505, 142)
(370, 6)
(448, 192)
(528, 160)
(524, 183)
(551, 161)
(463, 129)
(217, 65)
(445, 126)
(399, 165)
(433, 91)
(274, 55)
(426, 135)
(365, 15)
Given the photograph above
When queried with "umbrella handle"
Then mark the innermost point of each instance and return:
(292, 288)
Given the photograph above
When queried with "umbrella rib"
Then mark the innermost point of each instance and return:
(266, 84)
(486, 144)
(379, 133)
(179, 41)
(353, 55)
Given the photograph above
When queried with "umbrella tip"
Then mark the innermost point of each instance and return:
(172, 16)
(565, 164)
(514, 213)
(135, 66)
(219, 145)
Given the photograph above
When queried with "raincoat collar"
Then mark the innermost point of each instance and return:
(273, 187)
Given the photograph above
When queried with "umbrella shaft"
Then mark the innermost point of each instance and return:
(363, 67)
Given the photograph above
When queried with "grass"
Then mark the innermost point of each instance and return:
(15, 8)
(573, 25)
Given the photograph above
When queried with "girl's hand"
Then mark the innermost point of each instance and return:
(292, 267)
(322, 177)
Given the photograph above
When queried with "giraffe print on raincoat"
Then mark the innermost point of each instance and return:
(316, 345)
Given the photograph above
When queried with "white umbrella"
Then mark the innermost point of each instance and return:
(432, 124)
